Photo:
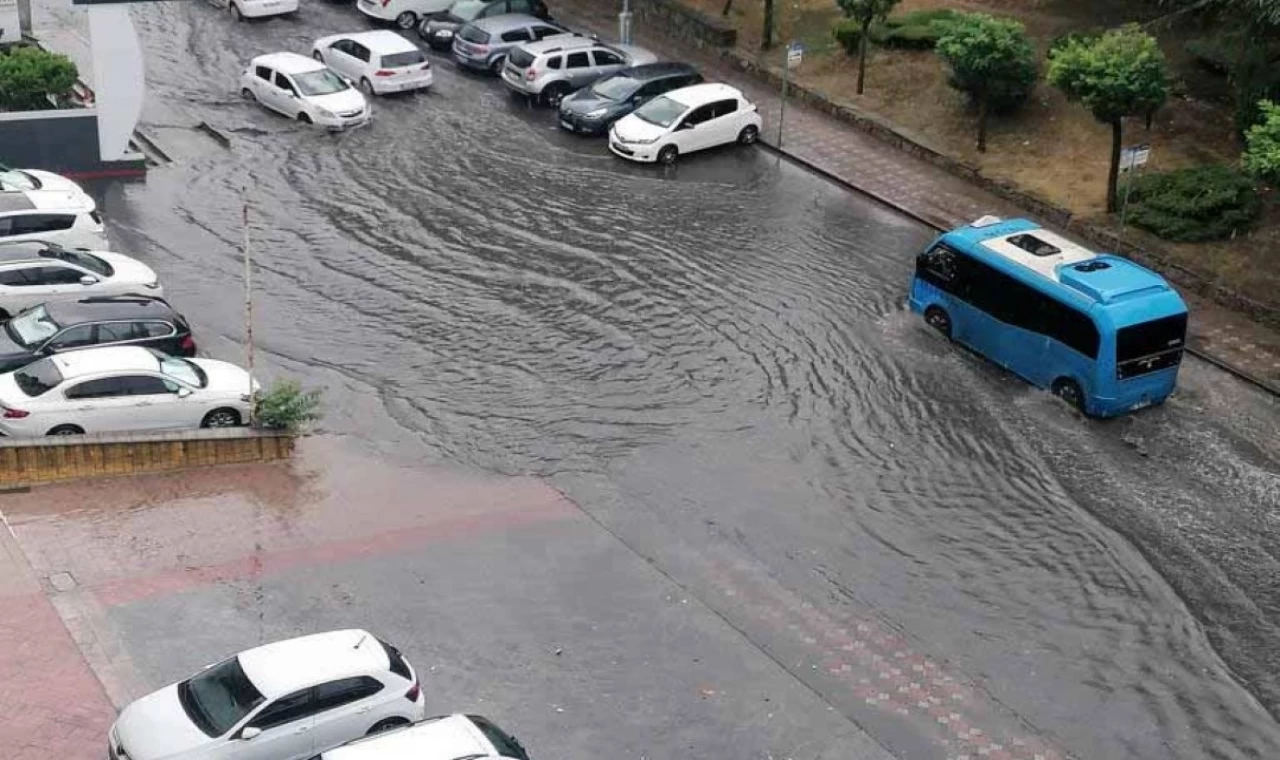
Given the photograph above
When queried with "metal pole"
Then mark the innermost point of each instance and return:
(1131, 175)
(24, 20)
(782, 109)
(624, 23)
(248, 314)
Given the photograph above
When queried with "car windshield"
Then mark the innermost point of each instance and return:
(401, 60)
(473, 33)
(219, 697)
(520, 58)
(661, 111)
(615, 87)
(31, 327)
(322, 82)
(467, 10)
(80, 258)
(12, 179)
(181, 369)
(36, 379)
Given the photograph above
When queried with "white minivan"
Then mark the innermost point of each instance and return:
(683, 121)
(381, 61)
(304, 89)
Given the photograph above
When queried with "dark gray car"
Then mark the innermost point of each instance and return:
(592, 109)
(439, 30)
(483, 45)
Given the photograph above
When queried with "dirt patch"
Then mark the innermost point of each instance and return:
(1051, 147)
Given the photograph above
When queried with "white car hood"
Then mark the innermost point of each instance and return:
(632, 128)
(347, 100)
(224, 377)
(127, 270)
(156, 726)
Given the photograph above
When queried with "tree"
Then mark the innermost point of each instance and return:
(29, 75)
(766, 36)
(992, 60)
(1261, 157)
(865, 12)
(1120, 73)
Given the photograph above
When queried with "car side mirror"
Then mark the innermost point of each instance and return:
(686, 125)
(183, 393)
(88, 280)
(250, 732)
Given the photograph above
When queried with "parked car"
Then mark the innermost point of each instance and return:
(381, 61)
(304, 89)
(290, 700)
(111, 321)
(121, 388)
(683, 121)
(37, 205)
(35, 272)
(483, 44)
(448, 737)
(552, 68)
(405, 14)
(243, 9)
(592, 110)
(438, 30)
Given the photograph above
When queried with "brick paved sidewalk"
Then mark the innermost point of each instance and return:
(921, 189)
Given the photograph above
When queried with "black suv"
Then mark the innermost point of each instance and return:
(592, 109)
(107, 321)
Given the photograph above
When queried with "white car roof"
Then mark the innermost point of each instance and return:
(286, 666)
(446, 738)
(288, 63)
(701, 94)
(91, 361)
(381, 41)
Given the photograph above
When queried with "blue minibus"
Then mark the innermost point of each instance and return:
(1102, 332)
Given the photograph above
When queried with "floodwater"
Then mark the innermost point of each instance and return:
(717, 357)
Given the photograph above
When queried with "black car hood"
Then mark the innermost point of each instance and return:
(584, 100)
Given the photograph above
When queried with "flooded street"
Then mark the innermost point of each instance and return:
(715, 365)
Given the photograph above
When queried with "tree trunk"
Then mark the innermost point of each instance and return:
(982, 121)
(1114, 174)
(766, 38)
(862, 54)
(728, 5)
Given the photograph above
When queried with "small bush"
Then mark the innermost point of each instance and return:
(1261, 157)
(29, 76)
(1194, 205)
(917, 30)
(287, 407)
(1062, 40)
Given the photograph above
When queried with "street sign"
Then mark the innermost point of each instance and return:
(795, 54)
(1132, 158)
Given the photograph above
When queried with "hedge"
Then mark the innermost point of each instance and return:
(1194, 205)
(917, 30)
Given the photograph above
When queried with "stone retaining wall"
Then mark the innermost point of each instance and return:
(673, 17)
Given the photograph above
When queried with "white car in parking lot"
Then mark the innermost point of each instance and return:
(243, 9)
(35, 272)
(404, 13)
(683, 121)
(448, 737)
(380, 61)
(304, 89)
(36, 205)
(290, 700)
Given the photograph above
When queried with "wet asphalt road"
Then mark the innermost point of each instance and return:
(715, 364)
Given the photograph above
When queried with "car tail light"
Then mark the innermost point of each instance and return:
(187, 343)
(413, 692)
(480, 49)
(385, 3)
(13, 414)
(384, 73)
(530, 75)
(426, 65)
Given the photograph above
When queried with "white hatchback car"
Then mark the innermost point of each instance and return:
(405, 13)
(35, 272)
(121, 388)
(448, 737)
(381, 61)
(683, 121)
(36, 205)
(243, 9)
(290, 700)
(304, 89)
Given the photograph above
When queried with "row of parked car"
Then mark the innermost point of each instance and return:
(651, 111)
(339, 695)
(88, 342)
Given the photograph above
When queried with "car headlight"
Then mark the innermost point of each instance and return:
(325, 112)
(153, 285)
(638, 141)
(596, 113)
(446, 33)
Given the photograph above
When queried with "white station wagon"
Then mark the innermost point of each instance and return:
(290, 700)
(304, 89)
(380, 61)
(683, 121)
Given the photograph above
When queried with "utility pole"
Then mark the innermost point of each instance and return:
(24, 20)
(1131, 161)
(248, 315)
(624, 23)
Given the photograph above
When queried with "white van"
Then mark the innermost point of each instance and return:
(683, 121)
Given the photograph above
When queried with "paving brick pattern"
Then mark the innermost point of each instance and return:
(862, 161)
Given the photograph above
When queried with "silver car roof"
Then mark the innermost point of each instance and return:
(509, 21)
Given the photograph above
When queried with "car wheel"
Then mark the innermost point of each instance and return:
(749, 134)
(66, 430)
(406, 20)
(1069, 391)
(498, 63)
(304, 117)
(386, 725)
(235, 12)
(938, 319)
(366, 87)
(221, 418)
(248, 95)
(554, 93)
(668, 155)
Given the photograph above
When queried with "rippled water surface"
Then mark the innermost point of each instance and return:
(721, 352)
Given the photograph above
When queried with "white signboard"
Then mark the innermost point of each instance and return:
(9, 29)
(1132, 158)
(795, 54)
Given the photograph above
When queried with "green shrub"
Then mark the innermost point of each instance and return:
(917, 30)
(29, 75)
(1194, 205)
(1261, 157)
(287, 407)
(1081, 35)
(848, 34)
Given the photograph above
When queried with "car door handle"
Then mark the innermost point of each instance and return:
(302, 729)
(364, 710)
(145, 403)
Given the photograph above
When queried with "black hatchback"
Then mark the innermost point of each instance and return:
(591, 110)
(106, 321)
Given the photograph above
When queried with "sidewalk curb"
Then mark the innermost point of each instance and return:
(1202, 355)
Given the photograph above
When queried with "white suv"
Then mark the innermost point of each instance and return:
(290, 700)
(405, 13)
(552, 68)
(381, 61)
(35, 272)
(448, 737)
(304, 89)
(38, 205)
(683, 121)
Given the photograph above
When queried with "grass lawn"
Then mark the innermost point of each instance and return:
(1050, 147)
